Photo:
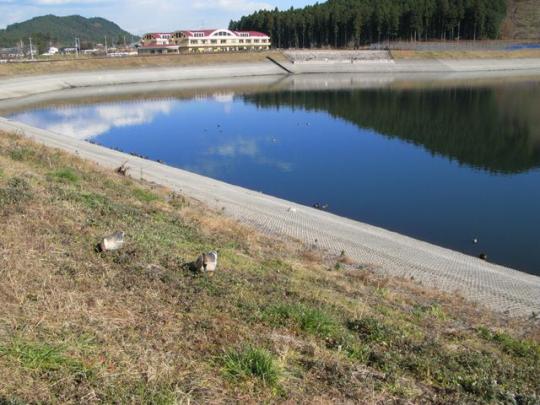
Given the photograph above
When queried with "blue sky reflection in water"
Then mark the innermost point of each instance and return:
(444, 165)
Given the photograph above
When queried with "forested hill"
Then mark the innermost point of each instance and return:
(61, 31)
(341, 23)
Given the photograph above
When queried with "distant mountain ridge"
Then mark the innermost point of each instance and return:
(61, 31)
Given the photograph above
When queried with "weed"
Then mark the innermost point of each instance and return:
(144, 196)
(94, 201)
(41, 357)
(178, 201)
(381, 291)
(251, 362)
(65, 175)
(521, 348)
(344, 259)
(434, 310)
(317, 322)
(370, 329)
(157, 395)
(10, 401)
(16, 191)
(21, 153)
(311, 320)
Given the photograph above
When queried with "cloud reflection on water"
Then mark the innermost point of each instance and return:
(88, 122)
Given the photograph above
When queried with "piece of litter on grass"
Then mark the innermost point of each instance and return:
(112, 242)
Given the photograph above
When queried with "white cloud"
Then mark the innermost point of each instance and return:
(235, 5)
(140, 16)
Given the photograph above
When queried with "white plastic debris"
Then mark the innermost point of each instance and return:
(291, 209)
(207, 262)
(112, 242)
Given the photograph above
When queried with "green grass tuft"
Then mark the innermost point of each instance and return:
(370, 329)
(144, 196)
(21, 153)
(40, 356)
(251, 362)
(16, 191)
(314, 321)
(509, 344)
(66, 175)
(433, 310)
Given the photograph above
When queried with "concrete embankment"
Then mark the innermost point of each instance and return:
(499, 288)
(24, 86)
(382, 62)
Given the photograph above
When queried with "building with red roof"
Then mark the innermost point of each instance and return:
(204, 40)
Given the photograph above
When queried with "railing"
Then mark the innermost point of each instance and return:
(484, 45)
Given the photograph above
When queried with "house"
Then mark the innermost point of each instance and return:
(156, 38)
(200, 41)
(157, 43)
(52, 51)
(11, 53)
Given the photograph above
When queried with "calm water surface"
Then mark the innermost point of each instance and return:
(442, 164)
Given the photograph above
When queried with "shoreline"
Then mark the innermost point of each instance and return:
(500, 288)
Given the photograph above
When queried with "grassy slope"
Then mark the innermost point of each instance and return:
(522, 20)
(272, 324)
(88, 64)
(525, 53)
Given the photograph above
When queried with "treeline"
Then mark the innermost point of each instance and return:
(351, 23)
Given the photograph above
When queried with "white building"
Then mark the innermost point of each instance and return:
(52, 51)
(200, 41)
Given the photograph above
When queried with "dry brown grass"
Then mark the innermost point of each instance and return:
(136, 326)
(412, 54)
(90, 64)
(522, 20)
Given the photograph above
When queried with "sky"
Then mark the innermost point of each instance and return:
(140, 16)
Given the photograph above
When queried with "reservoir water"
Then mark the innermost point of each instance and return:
(445, 162)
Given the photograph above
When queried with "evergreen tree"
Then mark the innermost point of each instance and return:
(352, 23)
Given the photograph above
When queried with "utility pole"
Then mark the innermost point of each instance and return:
(77, 46)
(106, 50)
(31, 50)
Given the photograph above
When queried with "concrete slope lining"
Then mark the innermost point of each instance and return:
(26, 86)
